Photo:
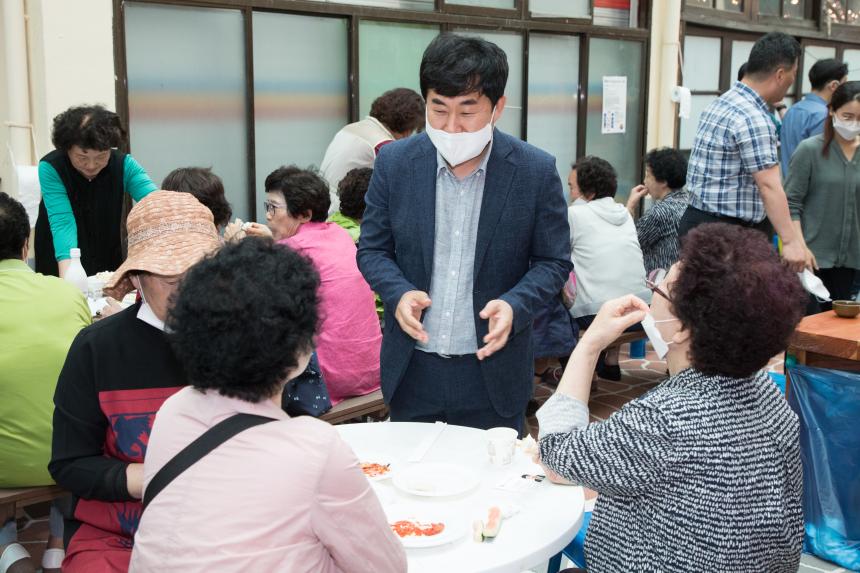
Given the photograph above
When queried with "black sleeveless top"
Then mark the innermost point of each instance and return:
(98, 209)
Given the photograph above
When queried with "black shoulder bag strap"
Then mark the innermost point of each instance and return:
(198, 449)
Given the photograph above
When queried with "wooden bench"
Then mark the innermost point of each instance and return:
(21, 497)
(361, 406)
(628, 337)
(623, 339)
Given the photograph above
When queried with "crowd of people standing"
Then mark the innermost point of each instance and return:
(434, 257)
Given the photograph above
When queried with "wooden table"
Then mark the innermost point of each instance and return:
(826, 341)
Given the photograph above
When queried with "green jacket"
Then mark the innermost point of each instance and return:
(39, 318)
(352, 226)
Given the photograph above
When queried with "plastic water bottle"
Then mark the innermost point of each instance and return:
(76, 274)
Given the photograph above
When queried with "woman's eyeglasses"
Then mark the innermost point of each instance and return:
(272, 207)
(653, 281)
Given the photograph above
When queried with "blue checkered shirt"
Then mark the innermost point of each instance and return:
(735, 138)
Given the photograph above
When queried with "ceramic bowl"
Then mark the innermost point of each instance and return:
(846, 308)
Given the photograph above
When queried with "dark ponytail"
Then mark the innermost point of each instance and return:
(846, 93)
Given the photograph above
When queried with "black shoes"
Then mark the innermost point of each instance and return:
(607, 371)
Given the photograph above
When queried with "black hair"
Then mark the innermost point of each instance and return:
(401, 110)
(668, 166)
(205, 186)
(742, 71)
(455, 65)
(595, 177)
(14, 227)
(351, 191)
(243, 317)
(772, 52)
(825, 71)
(846, 93)
(88, 127)
(303, 190)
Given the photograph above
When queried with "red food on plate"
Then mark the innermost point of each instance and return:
(407, 528)
(375, 470)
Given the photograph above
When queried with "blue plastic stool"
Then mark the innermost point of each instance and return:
(637, 349)
(574, 550)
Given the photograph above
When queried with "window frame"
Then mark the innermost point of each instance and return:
(727, 75)
(444, 15)
(813, 25)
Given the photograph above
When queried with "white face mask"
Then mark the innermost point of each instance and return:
(146, 314)
(814, 285)
(847, 129)
(457, 148)
(649, 325)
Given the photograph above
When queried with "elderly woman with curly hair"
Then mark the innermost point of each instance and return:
(284, 495)
(84, 182)
(702, 473)
(394, 115)
(351, 191)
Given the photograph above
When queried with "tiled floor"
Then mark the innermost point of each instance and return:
(33, 529)
(637, 377)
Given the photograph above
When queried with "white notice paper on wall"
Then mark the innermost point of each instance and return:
(614, 104)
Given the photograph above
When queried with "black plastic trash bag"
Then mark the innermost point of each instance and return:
(828, 405)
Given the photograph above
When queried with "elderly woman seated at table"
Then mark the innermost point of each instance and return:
(117, 374)
(702, 473)
(284, 495)
(206, 187)
(605, 252)
(351, 191)
(350, 338)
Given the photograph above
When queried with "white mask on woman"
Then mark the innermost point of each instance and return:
(847, 129)
(660, 344)
(457, 148)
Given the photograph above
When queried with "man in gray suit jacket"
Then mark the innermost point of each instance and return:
(465, 237)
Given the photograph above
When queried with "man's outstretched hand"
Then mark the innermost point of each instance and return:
(501, 317)
(408, 313)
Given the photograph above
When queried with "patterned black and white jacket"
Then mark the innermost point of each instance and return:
(657, 230)
(703, 473)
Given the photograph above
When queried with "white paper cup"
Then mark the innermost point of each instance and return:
(501, 445)
(94, 287)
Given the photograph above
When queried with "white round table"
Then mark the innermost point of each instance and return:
(549, 516)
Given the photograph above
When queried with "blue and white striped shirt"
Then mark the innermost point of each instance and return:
(450, 319)
(735, 138)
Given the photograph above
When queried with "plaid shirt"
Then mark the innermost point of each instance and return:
(735, 139)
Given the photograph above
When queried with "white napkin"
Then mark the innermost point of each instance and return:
(814, 285)
(96, 305)
(421, 450)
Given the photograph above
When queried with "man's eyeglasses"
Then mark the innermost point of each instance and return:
(653, 281)
(272, 207)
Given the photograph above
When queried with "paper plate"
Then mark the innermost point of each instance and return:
(435, 480)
